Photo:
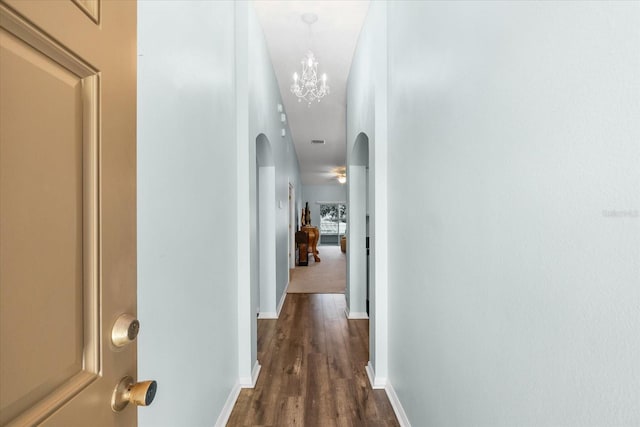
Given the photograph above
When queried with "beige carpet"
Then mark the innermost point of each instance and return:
(329, 276)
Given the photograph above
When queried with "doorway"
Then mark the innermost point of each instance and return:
(266, 195)
(358, 265)
(292, 228)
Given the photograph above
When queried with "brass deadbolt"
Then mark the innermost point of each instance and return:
(125, 330)
(127, 391)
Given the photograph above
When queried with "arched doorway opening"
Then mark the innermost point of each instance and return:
(266, 222)
(358, 278)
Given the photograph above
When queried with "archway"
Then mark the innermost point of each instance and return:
(357, 293)
(266, 221)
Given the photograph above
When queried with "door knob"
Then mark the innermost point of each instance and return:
(127, 391)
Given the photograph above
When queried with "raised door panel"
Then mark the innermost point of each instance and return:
(48, 193)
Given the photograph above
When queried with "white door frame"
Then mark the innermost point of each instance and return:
(292, 226)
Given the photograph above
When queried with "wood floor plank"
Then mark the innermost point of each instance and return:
(244, 400)
(319, 402)
(291, 413)
(313, 370)
(340, 362)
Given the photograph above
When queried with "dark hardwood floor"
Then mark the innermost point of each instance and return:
(313, 370)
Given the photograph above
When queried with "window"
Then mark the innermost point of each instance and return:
(333, 222)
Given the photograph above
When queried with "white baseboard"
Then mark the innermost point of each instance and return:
(403, 420)
(377, 383)
(355, 315)
(274, 314)
(251, 382)
(268, 315)
(282, 298)
(383, 383)
(228, 406)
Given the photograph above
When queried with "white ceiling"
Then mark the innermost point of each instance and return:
(333, 42)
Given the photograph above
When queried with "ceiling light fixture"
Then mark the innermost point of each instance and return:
(342, 179)
(307, 86)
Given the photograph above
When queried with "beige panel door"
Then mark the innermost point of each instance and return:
(67, 209)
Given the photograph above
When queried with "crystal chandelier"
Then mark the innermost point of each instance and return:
(307, 86)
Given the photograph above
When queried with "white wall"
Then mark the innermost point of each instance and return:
(206, 91)
(186, 218)
(264, 118)
(367, 114)
(514, 235)
(321, 193)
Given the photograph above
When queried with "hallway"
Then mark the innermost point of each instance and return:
(481, 158)
(313, 370)
(502, 205)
